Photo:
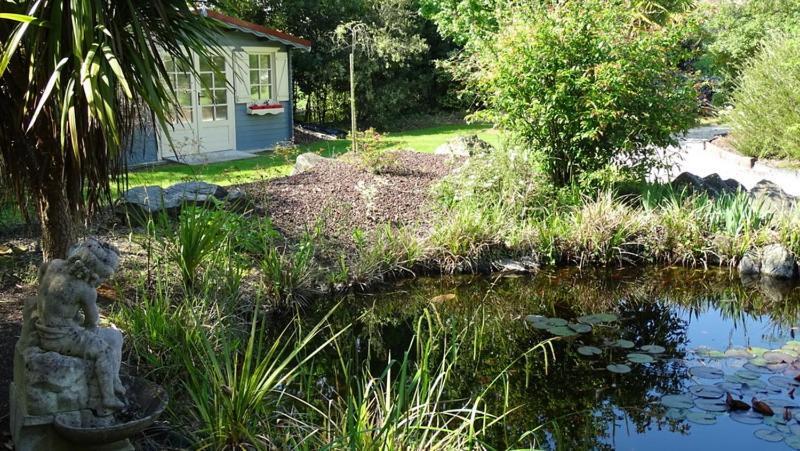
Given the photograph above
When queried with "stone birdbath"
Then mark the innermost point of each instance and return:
(67, 392)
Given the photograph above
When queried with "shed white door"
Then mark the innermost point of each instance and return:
(215, 106)
(207, 123)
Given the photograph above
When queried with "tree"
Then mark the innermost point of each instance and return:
(74, 83)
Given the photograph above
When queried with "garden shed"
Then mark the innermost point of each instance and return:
(243, 108)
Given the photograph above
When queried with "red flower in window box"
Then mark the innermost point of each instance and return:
(264, 108)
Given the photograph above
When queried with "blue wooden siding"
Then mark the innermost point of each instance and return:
(262, 132)
(143, 146)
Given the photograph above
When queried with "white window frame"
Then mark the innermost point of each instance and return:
(258, 53)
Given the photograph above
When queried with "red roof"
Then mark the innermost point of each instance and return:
(239, 23)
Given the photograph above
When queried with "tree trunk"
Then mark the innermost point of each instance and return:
(58, 227)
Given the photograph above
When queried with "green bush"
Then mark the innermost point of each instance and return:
(766, 118)
(587, 83)
(735, 30)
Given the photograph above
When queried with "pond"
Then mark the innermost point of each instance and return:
(644, 359)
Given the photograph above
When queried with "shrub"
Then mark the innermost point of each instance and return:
(736, 30)
(587, 83)
(765, 118)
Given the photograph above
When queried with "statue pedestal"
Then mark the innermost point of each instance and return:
(37, 432)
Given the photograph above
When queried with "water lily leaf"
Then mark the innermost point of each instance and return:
(676, 414)
(783, 382)
(777, 367)
(653, 349)
(556, 322)
(781, 404)
(624, 344)
(706, 391)
(701, 418)
(677, 401)
(561, 331)
(748, 417)
(756, 384)
(706, 372)
(789, 351)
(598, 318)
(768, 435)
(758, 361)
(760, 369)
(747, 375)
(711, 405)
(640, 358)
(794, 428)
(707, 352)
(793, 441)
(580, 328)
(738, 353)
(729, 386)
(792, 344)
(777, 357)
(758, 352)
(542, 324)
(619, 368)
(589, 351)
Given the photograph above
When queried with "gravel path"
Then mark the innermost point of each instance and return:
(696, 154)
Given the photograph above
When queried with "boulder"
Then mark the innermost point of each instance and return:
(306, 161)
(750, 264)
(713, 185)
(144, 201)
(772, 196)
(778, 262)
(464, 146)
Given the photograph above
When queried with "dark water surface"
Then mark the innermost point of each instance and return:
(577, 403)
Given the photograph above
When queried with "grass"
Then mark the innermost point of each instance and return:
(271, 164)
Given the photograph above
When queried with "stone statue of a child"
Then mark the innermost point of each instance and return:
(67, 289)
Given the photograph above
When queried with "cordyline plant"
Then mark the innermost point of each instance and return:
(76, 77)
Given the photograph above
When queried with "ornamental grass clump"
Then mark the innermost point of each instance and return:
(765, 120)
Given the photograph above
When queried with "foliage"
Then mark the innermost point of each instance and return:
(586, 84)
(74, 83)
(765, 119)
(372, 154)
(737, 29)
(199, 235)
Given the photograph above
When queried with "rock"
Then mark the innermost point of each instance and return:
(238, 200)
(713, 185)
(144, 201)
(778, 262)
(773, 198)
(306, 161)
(464, 146)
(750, 264)
(523, 265)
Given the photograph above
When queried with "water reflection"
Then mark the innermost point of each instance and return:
(576, 403)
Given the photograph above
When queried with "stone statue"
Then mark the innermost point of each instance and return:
(66, 368)
(67, 289)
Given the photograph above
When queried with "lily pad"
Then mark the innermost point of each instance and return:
(783, 382)
(706, 391)
(748, 417)
(760, 369)
(708, 352)
(580, 328)
(711, 405)
(793, 441)
(701, 418)
(758, 361)
(747, 375)
(738, 353)
(624, 344)
(562, 331)
(676, 414)
(769, 435)
(706, 372)
(758, 352)
(781, 404)
(640, 358)
(619, 368)
(729, 386)
(589, 351)
(653, 349)
(557, 322)
(777, 357)
(677, 401)
(598, 318)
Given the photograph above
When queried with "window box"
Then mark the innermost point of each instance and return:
(256, 109)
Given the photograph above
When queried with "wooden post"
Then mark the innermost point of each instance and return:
(353, 126)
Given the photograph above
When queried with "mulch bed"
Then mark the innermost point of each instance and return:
(342, 197)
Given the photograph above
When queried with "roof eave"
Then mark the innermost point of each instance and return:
(270, 37)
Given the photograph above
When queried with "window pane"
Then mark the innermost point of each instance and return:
(264, 78)
(204, 66)
(220, 97)
(187, 114)
(206, 81)
(264, 63)
(205, 98)
(253, 77)
(184, 82)
(253, 61)
(208, 113)
(169, 64)
(254, 92)
(185, 98)
(222, 113)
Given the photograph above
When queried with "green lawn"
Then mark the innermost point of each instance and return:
(268, 165)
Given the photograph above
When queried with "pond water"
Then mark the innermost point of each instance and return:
(690, 319)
